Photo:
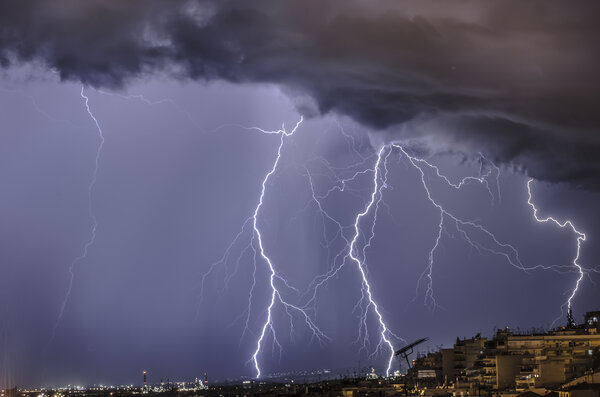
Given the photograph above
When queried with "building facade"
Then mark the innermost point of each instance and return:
(513, 360)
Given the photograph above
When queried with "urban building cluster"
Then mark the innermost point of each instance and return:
(514, 361)
(564, 362)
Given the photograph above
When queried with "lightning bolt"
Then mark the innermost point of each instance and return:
(497, 248)
(276, 280)
(150, 102)
(275, 294)
(356, 239)
(91, 214)
(580, 239)
(352, 254)
(355, 246)
(466, 228)
(255, 245)
(350, 251)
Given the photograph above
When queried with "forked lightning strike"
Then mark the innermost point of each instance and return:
(580, 239)
(274, 277)
(275, 294)
(494, 246)
(91, 214)
(352, 253)
(476, 235)
(352, 237)
(348, 253)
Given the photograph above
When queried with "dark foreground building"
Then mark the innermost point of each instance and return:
(515, 360)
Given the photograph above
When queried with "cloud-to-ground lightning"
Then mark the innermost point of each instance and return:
(276, 280)
(353, 255)
(354, 239)
(91, 213)
(351, 252)
(580, 239)
(275, 294)
(497, 248)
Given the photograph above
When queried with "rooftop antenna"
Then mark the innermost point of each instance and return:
(404, 353)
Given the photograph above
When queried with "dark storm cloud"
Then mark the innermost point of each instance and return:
(515, 79)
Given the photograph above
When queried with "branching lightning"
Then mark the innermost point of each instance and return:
(466, 228)
(36, 106)
(352, 254)
(276, 280)
(275, 294)
(150, 102)
(353, 239)
(496, 247)
(356, 240)
(476, 235)
(580, 239)
(91, 214)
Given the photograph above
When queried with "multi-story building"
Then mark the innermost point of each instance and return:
(512, 360)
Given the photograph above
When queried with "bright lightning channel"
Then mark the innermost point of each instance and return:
(352, 254)
(580, 239)
(275, 294)
(276, 297)
(349, 253)
(350, 250)
(508, 251)
(91, 214)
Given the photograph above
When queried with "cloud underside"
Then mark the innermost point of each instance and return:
(516, 80)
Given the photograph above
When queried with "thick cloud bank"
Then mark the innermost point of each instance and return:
(517, 80)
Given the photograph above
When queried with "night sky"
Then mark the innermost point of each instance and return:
(129, 245)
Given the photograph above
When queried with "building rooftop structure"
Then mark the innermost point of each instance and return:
(516, 360)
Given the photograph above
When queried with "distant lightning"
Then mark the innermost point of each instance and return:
(37, 107)
(580, 239)
(224, 259)
(150, 102)
(91, 214)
